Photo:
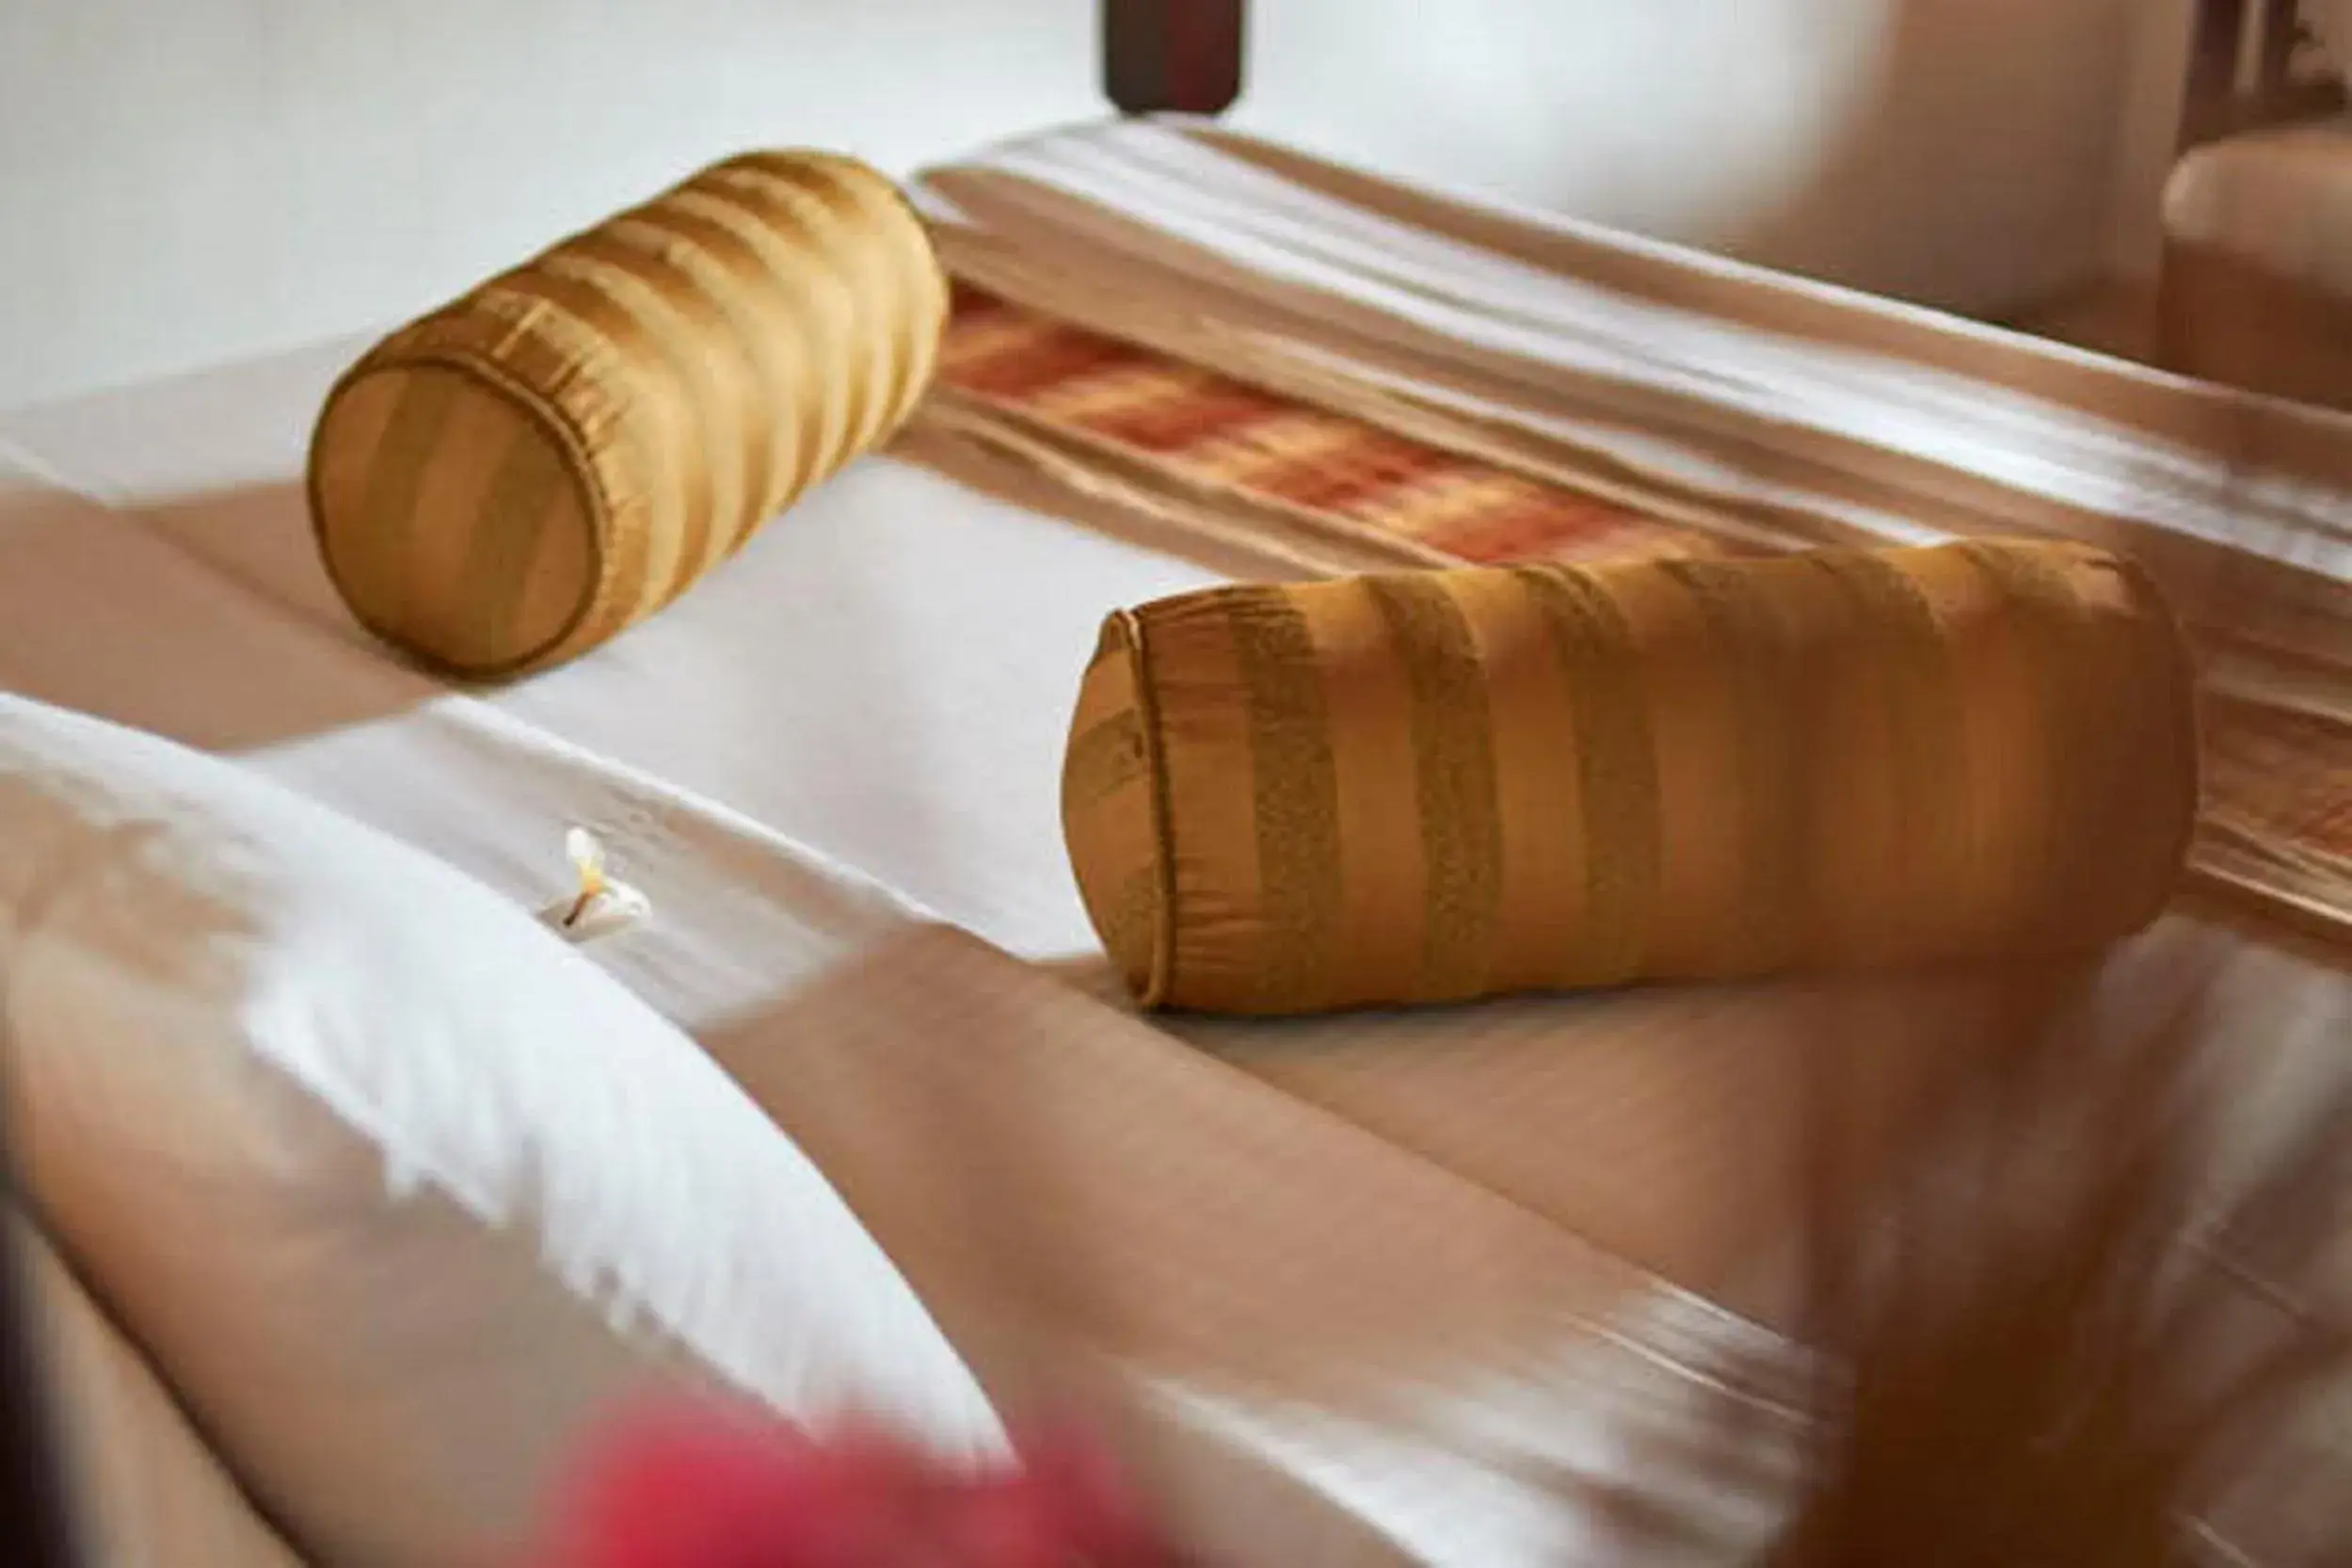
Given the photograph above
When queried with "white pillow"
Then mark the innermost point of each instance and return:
(399, 1190)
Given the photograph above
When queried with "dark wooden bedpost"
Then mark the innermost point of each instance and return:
(1172, 54)
(36, 1510)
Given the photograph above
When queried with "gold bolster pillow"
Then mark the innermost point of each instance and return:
(1430, 786)
(526, 471)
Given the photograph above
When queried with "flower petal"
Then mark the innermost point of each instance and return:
(585, 854)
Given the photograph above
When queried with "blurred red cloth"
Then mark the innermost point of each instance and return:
(700, 1488)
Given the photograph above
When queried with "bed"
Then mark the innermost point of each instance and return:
(1340, 1285)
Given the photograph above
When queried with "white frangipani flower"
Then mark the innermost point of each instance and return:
(602, 904)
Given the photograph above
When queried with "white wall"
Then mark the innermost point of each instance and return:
(1958, 151)
(185, 181)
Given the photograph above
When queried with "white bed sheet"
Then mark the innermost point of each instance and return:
(881, 682)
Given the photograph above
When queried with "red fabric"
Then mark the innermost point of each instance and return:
(699, 1489)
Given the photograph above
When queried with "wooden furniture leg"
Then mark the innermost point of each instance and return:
(1182, 55)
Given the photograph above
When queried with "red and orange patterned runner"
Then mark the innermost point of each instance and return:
(1210, 430)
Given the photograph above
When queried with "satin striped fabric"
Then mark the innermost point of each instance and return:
(1425, 786)
(560, 453)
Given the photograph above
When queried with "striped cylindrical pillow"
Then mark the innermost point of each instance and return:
(1423, 787)
(524, 472)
